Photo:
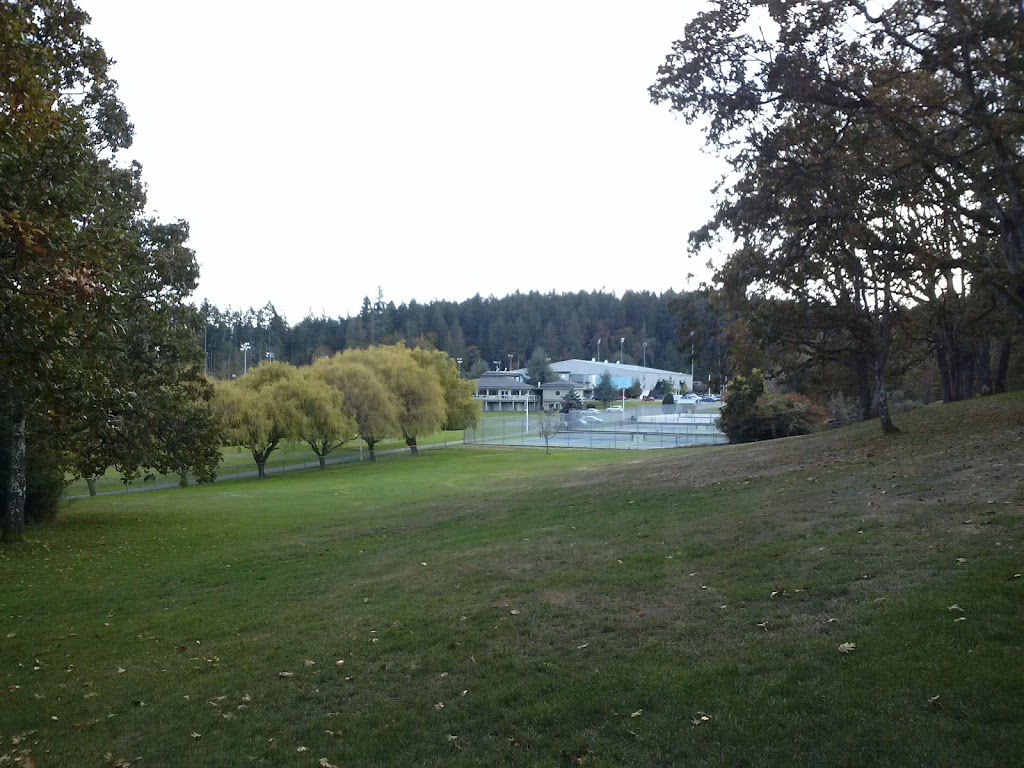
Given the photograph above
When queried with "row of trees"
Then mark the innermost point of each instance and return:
(373, 394)
(480, 331)
(876, 195)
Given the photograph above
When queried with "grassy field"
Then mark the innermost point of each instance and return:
(237, 462)
(502, 607)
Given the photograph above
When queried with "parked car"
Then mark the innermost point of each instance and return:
(589, 410)
(690, 399)
(590, 419)
(614, 409)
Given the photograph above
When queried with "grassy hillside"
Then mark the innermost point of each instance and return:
(503, 607)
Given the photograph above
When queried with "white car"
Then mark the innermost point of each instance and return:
(690, 399)
(614, 409)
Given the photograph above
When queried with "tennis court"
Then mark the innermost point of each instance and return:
(636, 429)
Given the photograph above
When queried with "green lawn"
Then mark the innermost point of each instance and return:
(236, 462)
(503, 607)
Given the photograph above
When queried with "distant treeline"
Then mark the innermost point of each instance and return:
(483, 332)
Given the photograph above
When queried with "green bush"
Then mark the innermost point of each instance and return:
(669, 399)
(751, 414)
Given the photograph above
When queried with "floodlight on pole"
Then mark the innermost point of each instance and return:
(458, 361)
(509, 362)
(645, 354)
(269, 356)
(599, 349)
(246, 346)
(622, 347)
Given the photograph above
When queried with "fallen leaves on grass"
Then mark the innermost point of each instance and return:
(325, 763)
(439, 706)
(455, 742)
(284, 675)
(700, 719)
(846, 648)
(515, 611)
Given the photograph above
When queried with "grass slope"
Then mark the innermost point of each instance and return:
(503, 607)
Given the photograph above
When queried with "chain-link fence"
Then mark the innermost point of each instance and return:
(641, 428)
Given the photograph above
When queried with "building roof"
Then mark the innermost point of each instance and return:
(596, 368)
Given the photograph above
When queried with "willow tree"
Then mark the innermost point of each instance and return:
(367, 400)
(256, 413)
(415, 390)
(319, 412)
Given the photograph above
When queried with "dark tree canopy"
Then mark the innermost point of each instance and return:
(875, 159)
(98, 349)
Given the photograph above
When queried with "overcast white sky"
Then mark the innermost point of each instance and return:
(435, 149)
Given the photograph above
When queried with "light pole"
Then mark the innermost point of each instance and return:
(645, 354)
(269, 356)
(246, 346)
(622, 347)
(509, 362)
(691, 361)
(599, 349)
(497, 365)
(458, 361)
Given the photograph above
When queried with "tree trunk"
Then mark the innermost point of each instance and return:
(1002, 365)
(369, 447)
(867, 400)
(91, 484)
(883, 402)
(261, 466)
(943, 362)
(323, 460)
(183, 478)
(14, 519)
(985, 366)
(413, 447)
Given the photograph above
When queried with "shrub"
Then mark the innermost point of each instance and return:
(669, 399)
(843, 410)
(751, 414)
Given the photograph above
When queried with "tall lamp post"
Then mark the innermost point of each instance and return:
(645, 354)
(246, 346)
(599, 349)
(691, 361)
(458, 361)
(622, 347)
(269, 356)
(509, 362)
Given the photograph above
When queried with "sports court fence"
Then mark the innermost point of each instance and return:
(642, 428)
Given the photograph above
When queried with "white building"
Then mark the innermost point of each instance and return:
(586, 373)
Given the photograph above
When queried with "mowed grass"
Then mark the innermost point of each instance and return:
(504, 607)
(237, 462)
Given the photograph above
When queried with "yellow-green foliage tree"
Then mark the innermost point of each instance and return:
(416, 390)
(255, 412)
(367, 400)
(461, 410)
(318, 412)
